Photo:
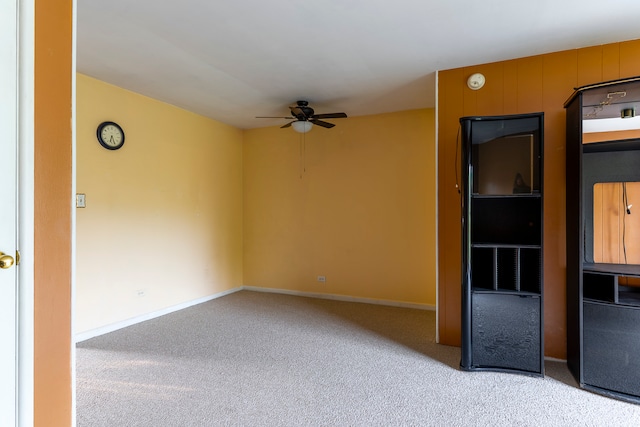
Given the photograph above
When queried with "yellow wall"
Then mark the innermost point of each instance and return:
(164, 213)
(355, 203)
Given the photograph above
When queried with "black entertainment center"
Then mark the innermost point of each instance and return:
(603, 284)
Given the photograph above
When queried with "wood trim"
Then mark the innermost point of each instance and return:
(52, 212)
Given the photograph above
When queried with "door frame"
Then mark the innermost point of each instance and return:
(26, 168)
(25, 359)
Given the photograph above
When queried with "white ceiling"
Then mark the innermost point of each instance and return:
(232, 60)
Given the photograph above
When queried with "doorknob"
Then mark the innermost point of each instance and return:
(6, 261)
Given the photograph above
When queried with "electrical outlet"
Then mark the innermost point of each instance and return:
(322, 279)
(80, 200)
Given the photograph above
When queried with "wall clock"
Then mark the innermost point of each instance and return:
(110, 135)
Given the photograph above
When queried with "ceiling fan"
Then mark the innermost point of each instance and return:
(305, 117)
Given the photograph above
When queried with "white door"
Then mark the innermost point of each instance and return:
(8, 211)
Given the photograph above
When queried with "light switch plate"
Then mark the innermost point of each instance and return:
(80, 200)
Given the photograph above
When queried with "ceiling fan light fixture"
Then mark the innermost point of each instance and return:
(302, 126)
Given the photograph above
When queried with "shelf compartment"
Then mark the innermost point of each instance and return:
(607, 287)
(530, 270)
(629, 295)
(506, 268)
(599, 287)
(483, 268)
(506, 220)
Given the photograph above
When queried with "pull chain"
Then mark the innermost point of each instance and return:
(303, 155)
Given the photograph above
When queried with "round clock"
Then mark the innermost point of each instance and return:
(110, 135)
(475, 81)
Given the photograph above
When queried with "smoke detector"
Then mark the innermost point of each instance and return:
(475, 81)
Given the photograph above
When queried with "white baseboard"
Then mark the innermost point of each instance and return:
(82, 336)
(342, 298)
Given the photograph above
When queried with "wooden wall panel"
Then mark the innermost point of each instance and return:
(589, 65)
(510, 84)
(610, 211)
(629, 58)
(540, 83)
(610, 63)
(558, 75)
(530, 85)
(52, 213)
(449, 226)
(633, 224)
(491, 101)
(469, 97)
(613, 229)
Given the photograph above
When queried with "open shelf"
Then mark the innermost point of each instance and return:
(631, 270)
(506, 268)
(600, 147)
(506, 220)
(533, 195)
(599, 287)
(601, 282)
(629, 295)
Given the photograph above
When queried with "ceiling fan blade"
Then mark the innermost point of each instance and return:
(271, 117)
(301, 112)
(330, 116)
(321, 123)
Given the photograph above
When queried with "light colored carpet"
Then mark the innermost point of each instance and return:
(259, 359)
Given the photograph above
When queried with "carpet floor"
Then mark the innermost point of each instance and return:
(261, 359)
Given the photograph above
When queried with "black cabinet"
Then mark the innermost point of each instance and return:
(603, 256)
(502, 321)
(611, 331)
(611, 357)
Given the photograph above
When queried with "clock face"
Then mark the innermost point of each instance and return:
(110, 135)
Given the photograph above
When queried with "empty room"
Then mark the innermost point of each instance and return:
(250, 213)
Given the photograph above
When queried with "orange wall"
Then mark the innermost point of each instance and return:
(355, 203)
(53, 162)
(538, 83)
